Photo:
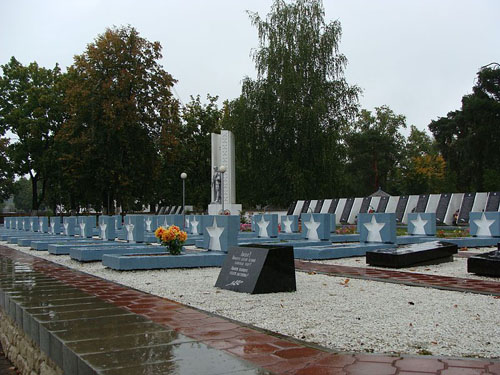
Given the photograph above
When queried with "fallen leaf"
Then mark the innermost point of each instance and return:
(434, 343)
(312, 273)
(455, 306)
(411, 303)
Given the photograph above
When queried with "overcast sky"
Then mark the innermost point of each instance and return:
(419, 57)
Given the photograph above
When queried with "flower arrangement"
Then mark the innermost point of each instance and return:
(172, 237)
(346, 229)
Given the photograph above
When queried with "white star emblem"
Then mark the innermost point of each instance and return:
(130, 232)
(148, 222)
(82, 229)
(483, 226)
(312, 229)
(66, 226)
(374, 230)
(103, 227)
(288, 225)
(53, 228)
(194, 226)
(263, 227)
(31, 226)
(419, 225)
(214, 233)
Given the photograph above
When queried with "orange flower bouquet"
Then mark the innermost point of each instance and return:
(172, 237)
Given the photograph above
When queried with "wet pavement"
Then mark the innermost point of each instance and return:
(90, 325)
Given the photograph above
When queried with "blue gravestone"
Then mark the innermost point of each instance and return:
(34, 224)
(484, 224)
(20, 223)
(6, 223)
(316, 227)
(107, 228)
(86, 226)
(377, 228)
(55, 225)
(150, 223)
(289, 223)
(43, 224)
(422, 224)
(134, 227)
(221, 232)
(27, 223)
(168, 220)
(69, 224)
(333, 223)
(196, 225)
(118, 222)
(266, 225)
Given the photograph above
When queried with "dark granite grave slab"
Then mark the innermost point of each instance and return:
(258, 269)
(412, 255)
(365, 205)
(487, 264)
(422, 202)
(493, 201)
(333, 206)
(305, 207)
(442, 207)
(344, 218)
(466, 207)
(382, 204)
(401, 207)
(319, 205)
(291, 208)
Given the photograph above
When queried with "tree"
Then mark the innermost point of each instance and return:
(469, 138)
(123, 121)
(288, 122)
(31, 109)
(6, 171)
(22, 195)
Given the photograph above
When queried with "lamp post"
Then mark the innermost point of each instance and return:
(222, 170)
(183, 177)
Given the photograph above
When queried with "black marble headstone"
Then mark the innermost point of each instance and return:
(442, 207)
(257, 269)
(319, 205)
(305, 207)
(382, 204)
(162, 210)
(487, 264)
(422, 203)
(365, 204)
(493, 201)
(412, 254)
(467, 203)
(333, 206)
(344, 218)
(400, 208)
(291, 208)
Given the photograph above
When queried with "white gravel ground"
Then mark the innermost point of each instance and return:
(359, 316)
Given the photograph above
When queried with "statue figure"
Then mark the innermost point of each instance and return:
(216, 185)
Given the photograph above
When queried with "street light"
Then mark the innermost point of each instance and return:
(183, 177)
(222, 170)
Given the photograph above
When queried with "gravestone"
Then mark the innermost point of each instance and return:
(291, 208)
(107, 228)
(365, 205)
(86, 226)
(316, 227)
(258, 269)
(150, 223)
(344, 218)
(412, 255)
(34, 227)
(55, 225)
(196, 226)
(20, 223)
(305, 207)
(484, 224)
(27, 223)
(43, 224)
(422, 202)
(221, 233)
(6, 223)
(487, 264)
(442, 208)
(333, 206)
(134, 226)
(266, 225)
(168, 220)
(422, 224)
(466, 207)
(289, 223)
(493, 201)
(401, 207)
(69, 224)
(118, 222)
(319, 206)
(378, 228)
(382, 204)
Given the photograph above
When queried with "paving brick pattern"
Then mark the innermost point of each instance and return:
(401, 277)
(270, 352)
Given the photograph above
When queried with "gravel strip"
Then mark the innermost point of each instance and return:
(345, 315)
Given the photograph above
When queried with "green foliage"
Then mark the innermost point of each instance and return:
(22, 195)
(6, 171)
(288, 122)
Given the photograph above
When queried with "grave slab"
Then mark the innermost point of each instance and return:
(487, 264)
(95, 253)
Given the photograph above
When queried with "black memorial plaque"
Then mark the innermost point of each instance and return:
(412, 255)
(401, 207)
(365, 205)
(493, 201)
(382, 204)
(487, 264)
(467, 203)
(162, 211)
(305, 207)
(422, 202)
(333, 206)
(442, 207)
(344, 218)
(291, 208)
(319, 206)
(257, 269)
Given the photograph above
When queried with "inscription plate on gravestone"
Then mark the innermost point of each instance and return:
(305, 207)
(382, 205)
(291, 208)
(493, 201)
(319, 205)
(442, 208)
(347, 210)
(422, 202)
(365, 204)
(333, 206)
(467, 203)
(400, 208)
(257, 269)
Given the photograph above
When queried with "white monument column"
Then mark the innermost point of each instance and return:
(223, 154)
